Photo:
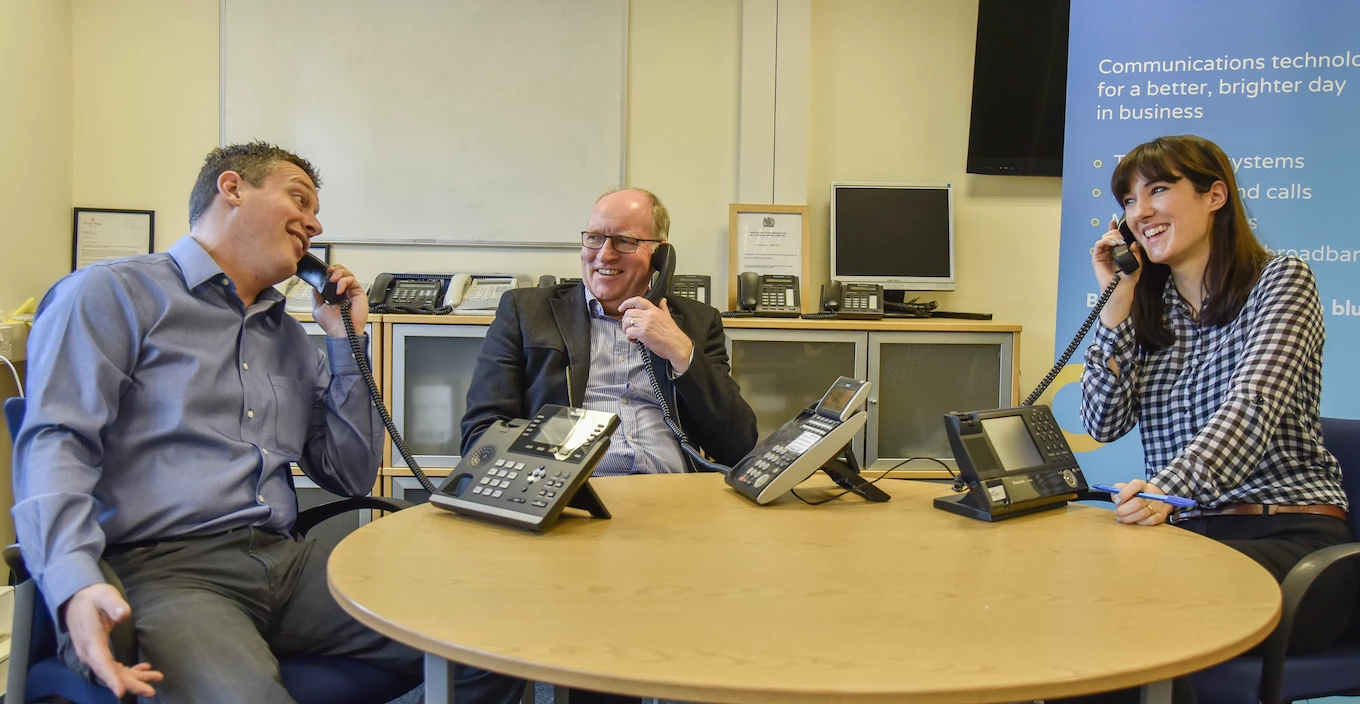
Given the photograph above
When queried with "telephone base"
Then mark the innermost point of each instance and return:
(846, 475)
(967, 505)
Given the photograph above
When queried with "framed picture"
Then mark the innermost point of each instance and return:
(98, 234)
(768, 239)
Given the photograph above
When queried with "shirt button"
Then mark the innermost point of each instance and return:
(260, 497)
(629, 436)
(264, 451)
(250, 414)
(226, 282)
(620, 358)
(245, 366)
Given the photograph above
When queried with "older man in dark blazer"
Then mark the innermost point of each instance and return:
(574, 345)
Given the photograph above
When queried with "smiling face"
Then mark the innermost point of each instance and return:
(1171, 220)
(274, 223)
(611, 276)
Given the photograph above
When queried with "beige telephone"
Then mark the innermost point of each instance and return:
(299, 296)
(479, 294)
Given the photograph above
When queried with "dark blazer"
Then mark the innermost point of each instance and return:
(540, 333)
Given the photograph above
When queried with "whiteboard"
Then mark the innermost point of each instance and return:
(474, 120)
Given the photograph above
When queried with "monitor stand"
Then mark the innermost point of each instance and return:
(847, 476)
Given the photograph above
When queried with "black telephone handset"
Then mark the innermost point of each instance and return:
(1125, 259)
(314, 271)
(663, 263)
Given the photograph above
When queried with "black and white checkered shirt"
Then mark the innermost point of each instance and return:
(1227, 414)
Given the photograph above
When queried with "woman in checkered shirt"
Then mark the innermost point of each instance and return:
(1214, 349)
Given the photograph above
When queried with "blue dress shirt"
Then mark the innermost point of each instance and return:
(159, 407)
(618, 384)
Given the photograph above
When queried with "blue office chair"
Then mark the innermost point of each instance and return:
(37, 674)
(1271, 678)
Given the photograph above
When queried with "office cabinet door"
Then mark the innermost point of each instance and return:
(918, 377)
(318, 338)
(432, 367)
(781, 372)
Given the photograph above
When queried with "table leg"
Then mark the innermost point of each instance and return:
(439, 679)
(1156, 693)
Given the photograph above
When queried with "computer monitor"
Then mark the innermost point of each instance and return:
(900, 235)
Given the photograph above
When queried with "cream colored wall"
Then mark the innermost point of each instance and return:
(684, 71)
(35, 169)
(35, 147)
(890, 99)
(145, 105)
(891, 93)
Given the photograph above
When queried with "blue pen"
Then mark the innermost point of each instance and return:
(1173, 500)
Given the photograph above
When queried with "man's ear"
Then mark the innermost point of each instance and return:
(229, 187)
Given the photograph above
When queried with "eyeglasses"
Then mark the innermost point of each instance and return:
(622, 243)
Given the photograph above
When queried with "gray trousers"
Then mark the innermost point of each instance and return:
(215, 614)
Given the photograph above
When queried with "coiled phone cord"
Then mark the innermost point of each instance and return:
(361, 357)
(703, 464)
(1076, 341)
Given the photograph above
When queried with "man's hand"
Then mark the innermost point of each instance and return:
(1129, 508)
(657, 330)
(328, 316)
(90, 616)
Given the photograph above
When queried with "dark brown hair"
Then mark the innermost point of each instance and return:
(254, 161)
(1235, 257)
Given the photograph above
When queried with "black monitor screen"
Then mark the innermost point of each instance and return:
(883, 231)
(1014, 446)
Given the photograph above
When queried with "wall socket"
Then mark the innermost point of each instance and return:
(14, 341)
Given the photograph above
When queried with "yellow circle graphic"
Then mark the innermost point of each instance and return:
(1080, 442)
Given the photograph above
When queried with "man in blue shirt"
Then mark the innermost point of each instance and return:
(169, 394)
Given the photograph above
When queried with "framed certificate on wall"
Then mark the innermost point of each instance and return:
(768, 239)
(98, 234)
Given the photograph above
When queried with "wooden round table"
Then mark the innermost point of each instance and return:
(692, 592)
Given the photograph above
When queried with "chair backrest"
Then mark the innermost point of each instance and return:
(1341, 437)
(14, 415)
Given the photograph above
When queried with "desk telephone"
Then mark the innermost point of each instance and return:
(809, 442)
(460, 294)
(524, 472)
(767, 295)
(850, 301)
(1016, 461)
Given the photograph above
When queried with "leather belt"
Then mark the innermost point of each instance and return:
(1259, 510)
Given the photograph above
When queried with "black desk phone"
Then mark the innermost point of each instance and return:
(1014, 460)
(809, 442)
(767, 296)
(697, 287)
(524, 472)
(409, 293)
(850, 301)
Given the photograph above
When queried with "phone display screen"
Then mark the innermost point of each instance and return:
(562, 434)
(833, 403)
(1014, 446)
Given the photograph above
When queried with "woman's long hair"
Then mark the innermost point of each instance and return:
(1235, 257)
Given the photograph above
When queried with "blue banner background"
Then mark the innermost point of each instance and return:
(1319, 131)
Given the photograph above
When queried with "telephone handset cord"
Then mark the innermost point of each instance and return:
(700, 461)
(1076, 341)
(361, 357)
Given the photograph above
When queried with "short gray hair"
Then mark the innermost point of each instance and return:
(661, 218)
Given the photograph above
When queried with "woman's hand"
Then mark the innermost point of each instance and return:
(1117, 309)
(1129, 508)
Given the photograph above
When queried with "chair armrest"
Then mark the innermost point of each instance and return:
(1295, 589)
(18, 570)
(309, 519)
(28, 600)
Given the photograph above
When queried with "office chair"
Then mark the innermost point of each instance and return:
(37, 674)
(1272, 678)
